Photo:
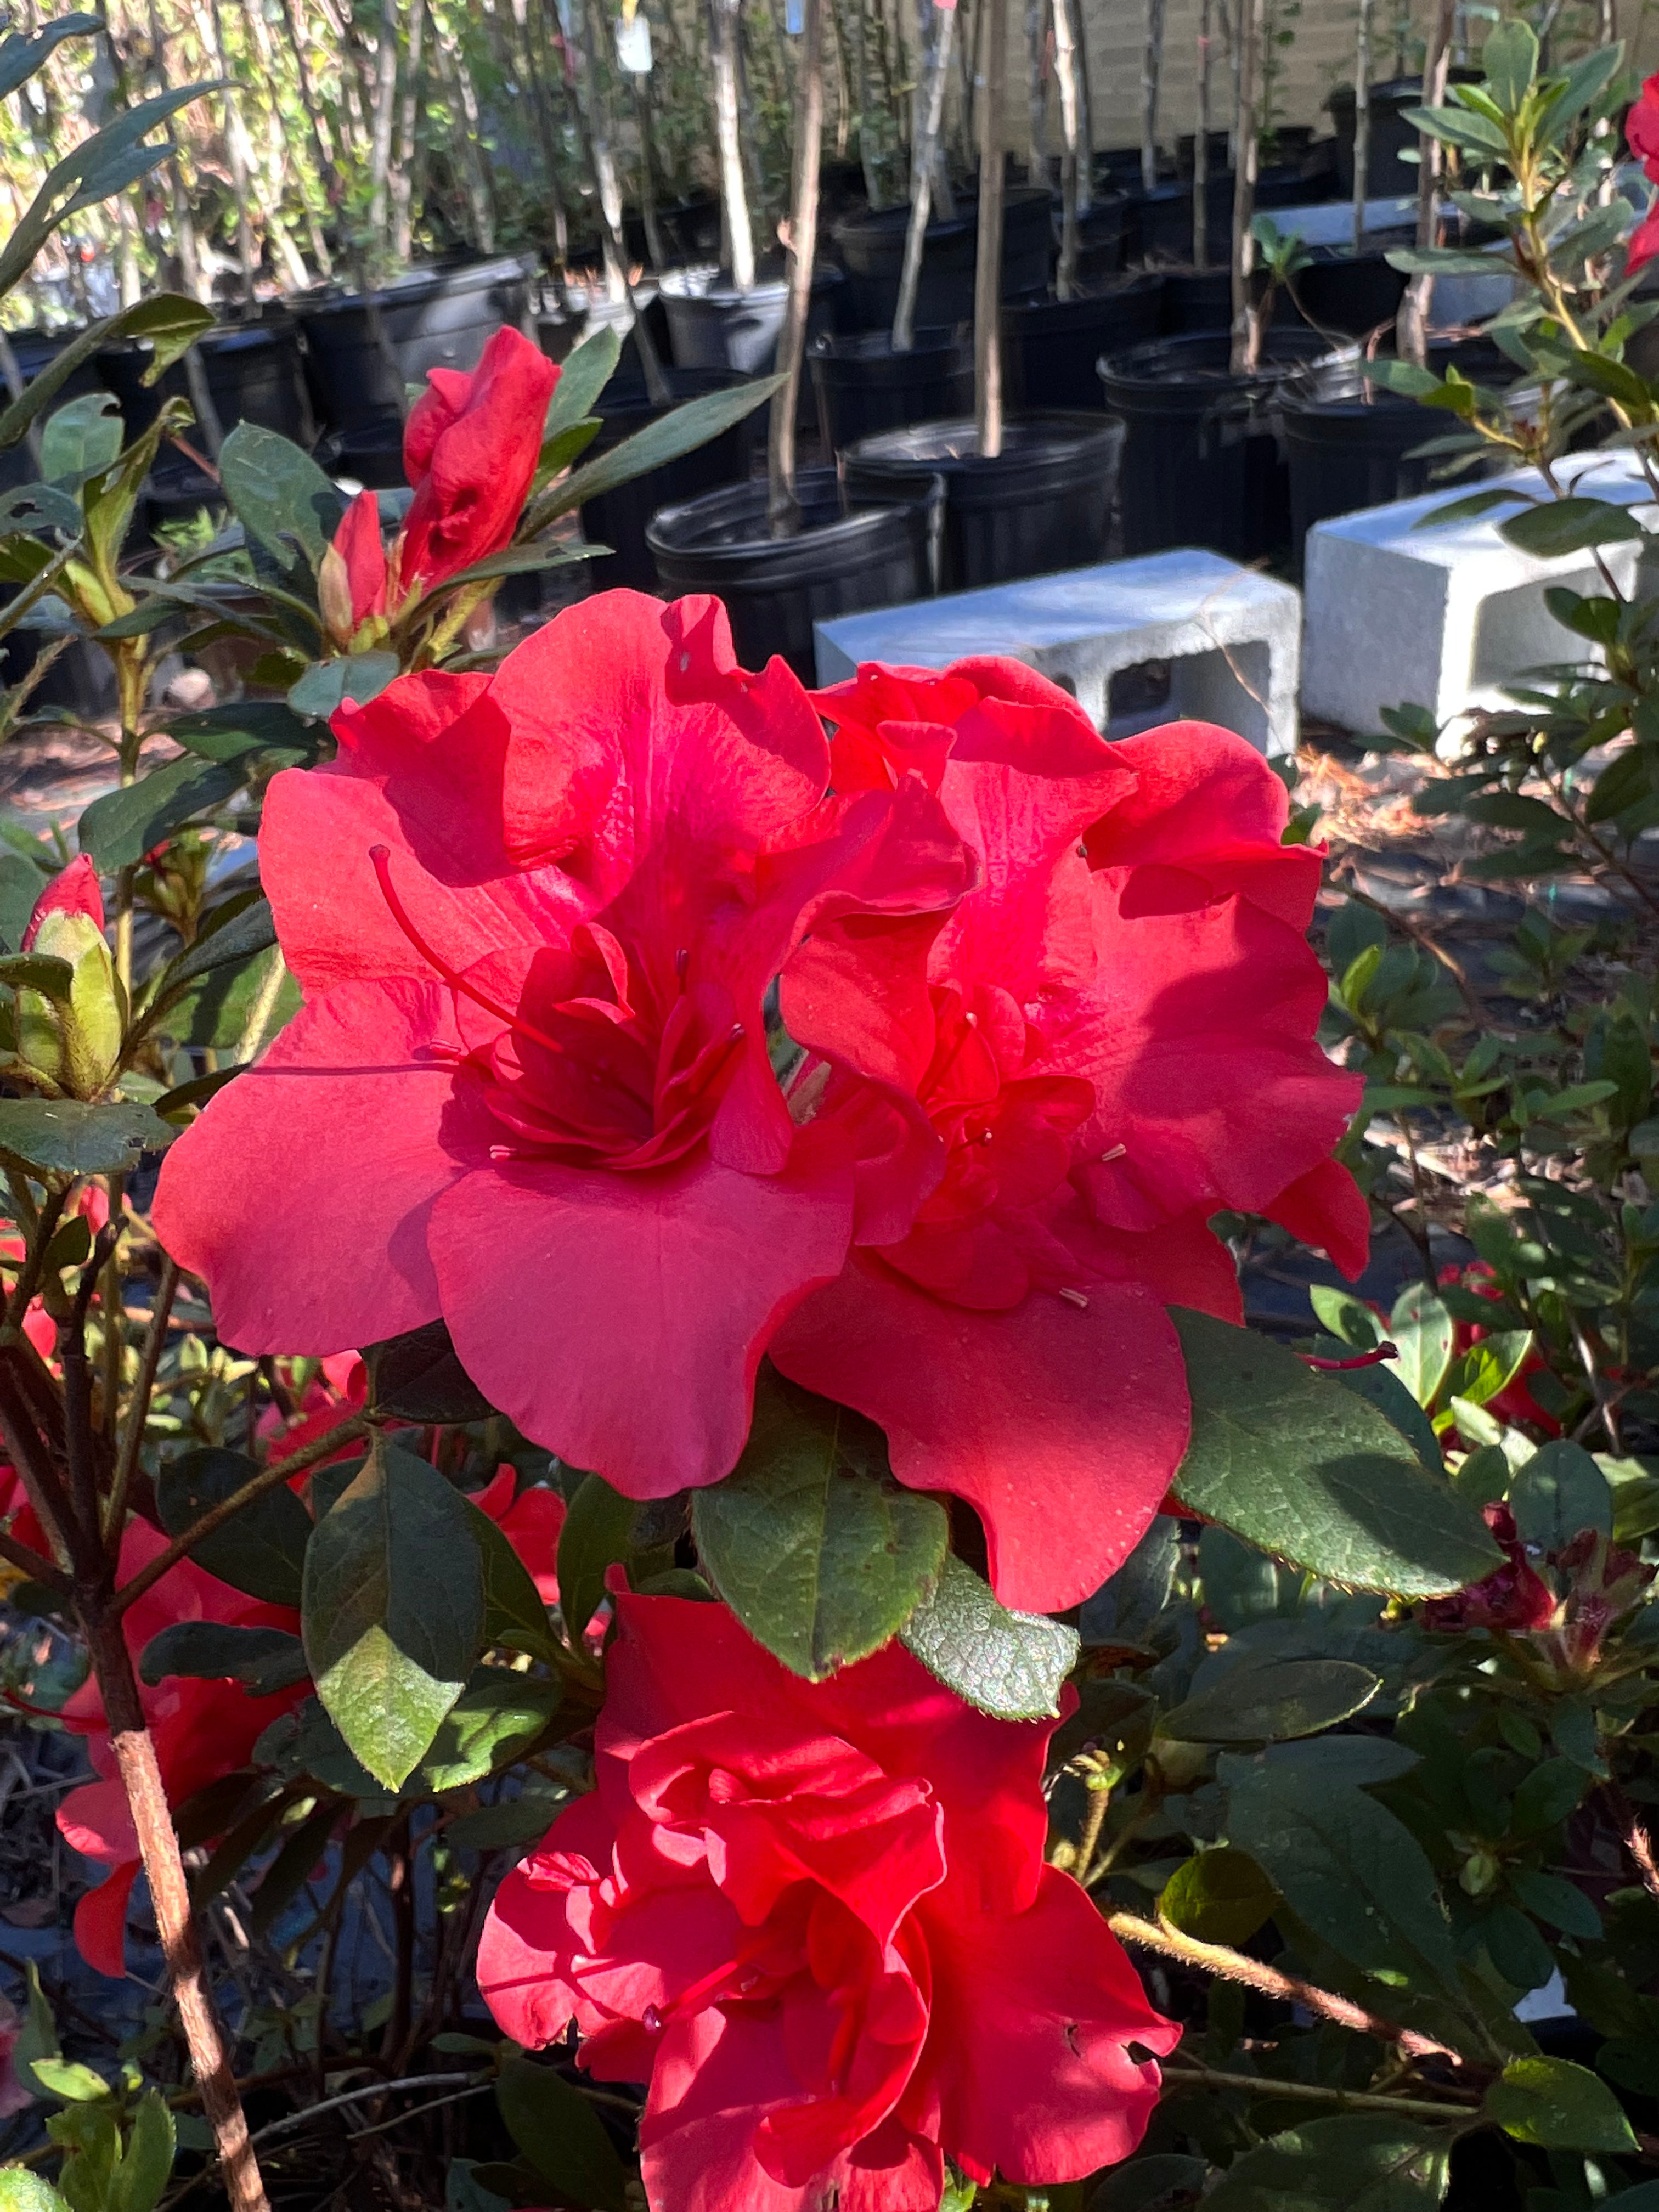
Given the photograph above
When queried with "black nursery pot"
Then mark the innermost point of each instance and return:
(1204, 461)
(35, 350)
(253, 375)
(432, 318)
(618, 519)
(1346, 442)
(1104, 236)
(711, 324)
(776, 589)
(1351, 293)
(1050, 347)
(1164, 221)
(872, 250)
(863, 387)
(1045, 503)
(596, 311)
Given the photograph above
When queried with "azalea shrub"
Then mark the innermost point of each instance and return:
(624, 1388)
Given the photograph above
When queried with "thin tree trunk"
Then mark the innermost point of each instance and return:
(1152, 67)
(1085, 115)
(838, 47)
(930, 21)
(733, 192)
(870, 165)
(402, 175)
(654, 244)
(905, 317)
(1065, 76)
(1246, 331)
(782, 508)
(1038, 160)
(589, 123)
(988, 266)
(384, 110)
(1412, 323)
(1362, 122)
(238, 150)
(464, 99)
(537, 33)
(1201, 145)
(326, 168)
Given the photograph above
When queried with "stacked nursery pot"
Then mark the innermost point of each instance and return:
(1204, 461)
(862, 385)
(1043, 503)
(1050, 347)
(871, 249)
(715, 328)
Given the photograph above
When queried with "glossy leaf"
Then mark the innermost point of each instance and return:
(1556, 2105)
(121, 827)
(1220, 1896)
(1558, 1491)
(19, 56)
(514, 1616)
(1569, 525)
(65, 1136)
(260, 1550)
(1313, 1473)
(393, 1609)
(810, 1541)
(1352, 2162)
(251, 725)
(418, 1377)
(80, 439)
(562, 2135)
(599, 1533)
(262, 1660)
(1272, 1701)
(1421, 1330)
(279, 495)
(1009, 1664)
(663, 440)
(327, 684)
(1124, 1609)
(498, 1718)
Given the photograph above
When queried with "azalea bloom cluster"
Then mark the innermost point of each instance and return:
(471, 445)
(650, 1030)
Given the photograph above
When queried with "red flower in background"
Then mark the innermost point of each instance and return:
(536, 916)
(1513, 1598)
(1515, 1402)
(470, 447)
(1117, 1042)
(1642, 132)
(816, 1917)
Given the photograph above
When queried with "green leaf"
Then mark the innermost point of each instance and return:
(1354, 2162)
(68, 2081)
(1009, 1664)
(1342, 1863)
(815, 1547)
(239, 931)
(32, 509)
(1125, 1609)
(1156, 2184)
(82, 439)
(514, 1615)
(1569, 525)
(262, 1660)
(681, 432)
(599, 1533)
(1510, 58)
(1349, 1319)
(1423, 1331)
(121, 827)
(562, 2135)
(21, 57)
(147, 2162)
(261, 1550)
(1562, 1902)
(1467, 509)
(393, 1609)
(1513, 810)
(583, 375)
(510, 1823)
(1626, 780)
(170, 323)
(39, 971)
(23, 2192)
(1220, 1896)
(1557, 2106)
(279, 496)
(1558, 1491)
(251, 726)
(417, 1376)
(1400, 1410)
(1271, 1700)
(1584, 83)
(497, 1720)
(327, 684)
(65, 1136)
(1544, 1798)
(1314, 1474)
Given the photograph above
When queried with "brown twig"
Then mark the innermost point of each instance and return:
(279, 1471)
(132, 1437)
(1228, 1964)
(1639, 1845)
(1357, 2100)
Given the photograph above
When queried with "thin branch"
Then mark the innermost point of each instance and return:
(132, 1439)
(38, 1569)
(1353, 2100)
(292, 2120)
(1232, 1966)
(279, 1471)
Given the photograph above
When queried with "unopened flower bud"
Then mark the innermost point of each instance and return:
(334, 595)
(75, 1043)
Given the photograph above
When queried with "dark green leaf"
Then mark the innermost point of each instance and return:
(261, 1548)
(1220, 1896)
(1557, 2106)
(1517, 1949)
(689, 427)
(497, 1720)
(1384, 1390)
(167, 321)
(514, 1615)
(262, 1660)
(418, 1377)
(583, 375)
(1562, 1902)
(810, 1541)
(1125, 1609)
(1272, 1701)
(253, 726)
(81, 440)
(1569, 525)
(512, 1822)
(280, 495)
(1314, 1474)
(21, 57)
(226, 939)
(1559, 1490)
(1167, 2181)
(393, 1609)
(146, 2166)
(599, 1533)
(1467, 509)
(120, 828)
(38, 971)
(562, 2135)
(1585, 82)
(1545, 1797)
(327, 684)
(1354, 2162)
(287, 1873)
(35, 507)
(1509, 58)
(1626, 780)
(64, 1136)
(1009, 1664)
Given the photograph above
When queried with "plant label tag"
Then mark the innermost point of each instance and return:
(794, 17)
(633, 44)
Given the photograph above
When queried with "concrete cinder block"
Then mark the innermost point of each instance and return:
(1444, 618)
(1232, 639)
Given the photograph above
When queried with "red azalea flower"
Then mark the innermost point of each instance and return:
(816, 1918)
(1118, 1042)
(1515, 1402)
(1643, 242)
(535, 916)
(202, 1730)
(532, 1521)
(1512, 1599)
(470, 447)
(1642, 128)
(73, 890)
(92, 1202)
